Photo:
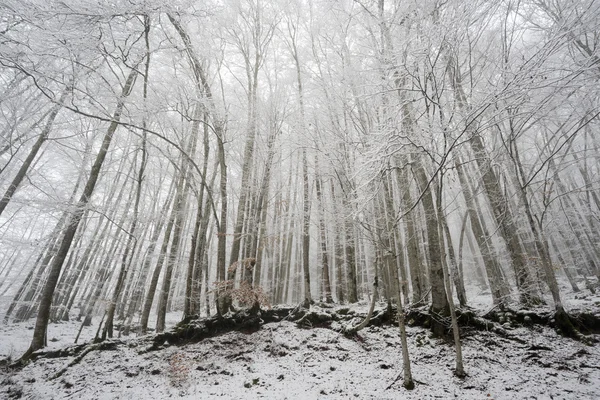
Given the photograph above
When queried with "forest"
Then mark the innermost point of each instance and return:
(428, 163)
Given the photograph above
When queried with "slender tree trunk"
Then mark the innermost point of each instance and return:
(41, 325)
(415, 264)
(439, 298)
(138, 290)
(326, 284)
(161, 260)
(222, 303)
(392, 256)
(306, 184)
(566, 268)
(12, 188)
(499, 288)
(191, 294)
(219, 129)
(305, 231)
(131, 238)
(201, 262)
(407, 380)
(459, 370)
(173, 257)
(500, 205)
(541, 245)
(338, 250)
(350, 252)
(457, 276)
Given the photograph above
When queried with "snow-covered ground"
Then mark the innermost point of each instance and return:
(282, 361)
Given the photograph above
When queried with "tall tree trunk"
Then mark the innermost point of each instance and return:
(191, 294)
(338, 250)
(459, 370)
(305, 178)
(151, 291)
(439, 299)
(41, 325)
(222, 301)
(305, 231)
(260, 218)
(499, 287)
(392, 256)
(456, 273)
(415, 264)
(138, 291)
(218, 126)
(407, 380)
(131, 238)
(350, 251)
(541, 245)
(500, 205)
(326, 284)
(180, 209)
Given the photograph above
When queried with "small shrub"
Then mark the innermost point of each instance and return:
(179, 370)
(244, 294)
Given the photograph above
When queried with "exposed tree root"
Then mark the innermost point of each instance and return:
(73, 351)
(194, 330)
(96, 346)
(574, 325)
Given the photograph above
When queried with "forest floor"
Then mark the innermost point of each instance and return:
(284, 361)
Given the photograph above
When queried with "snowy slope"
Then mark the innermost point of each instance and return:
(281, 361)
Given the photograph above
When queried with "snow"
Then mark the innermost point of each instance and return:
(282, 361)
